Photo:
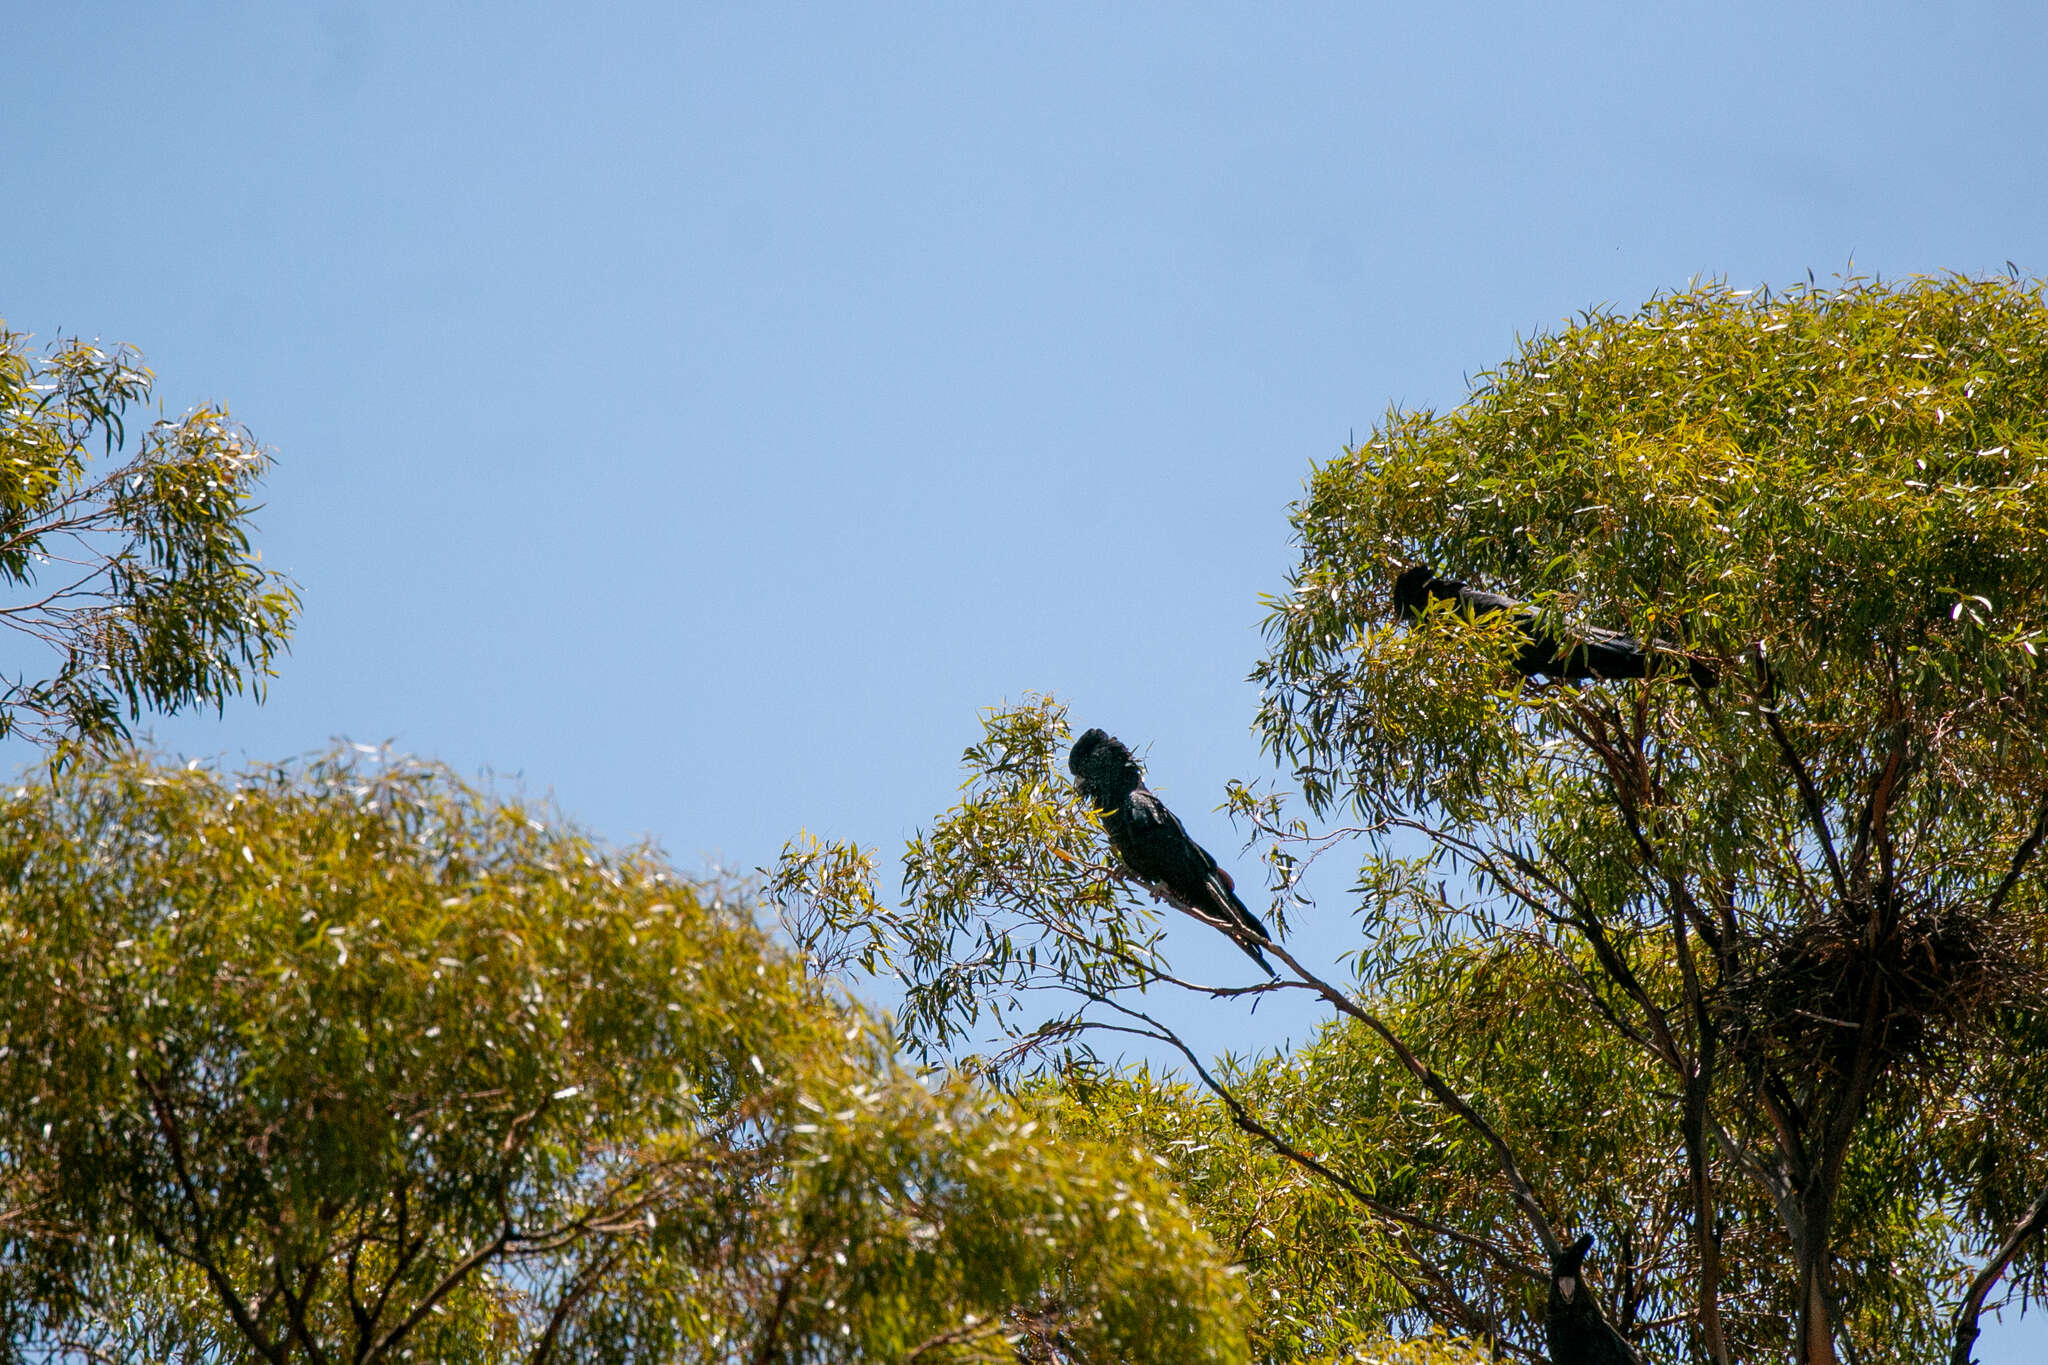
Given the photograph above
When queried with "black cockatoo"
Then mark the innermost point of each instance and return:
(1573, 1327)
(1153, 845)
(1596, 654)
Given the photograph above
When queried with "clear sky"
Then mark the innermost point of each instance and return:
(700, 411)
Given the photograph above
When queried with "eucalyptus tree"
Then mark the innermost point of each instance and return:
(125, 558)
(1737, 963)
(348, 1061)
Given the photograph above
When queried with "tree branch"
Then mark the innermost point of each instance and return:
(954, 1336)
(440, 1291)
(1809, 795)
(1972, 1306)
(1503, 1155)
(1874, 827)
(2028, 847)
(764, 1350)
(580, 1289)
(295, 1309)
(167, 1124)
(1242, 1116)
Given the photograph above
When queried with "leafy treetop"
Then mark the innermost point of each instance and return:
(129, 562)
(348, 1061)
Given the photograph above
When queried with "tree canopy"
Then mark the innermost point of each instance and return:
(1813, 895)
(1696, 785)
(128, 561)
(348, 1060)
(1745, 978)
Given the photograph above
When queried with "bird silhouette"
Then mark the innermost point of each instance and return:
(1152, 844)
(1595, 654)
(1573, 1326)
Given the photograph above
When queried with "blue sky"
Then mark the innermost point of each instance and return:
(699, 412)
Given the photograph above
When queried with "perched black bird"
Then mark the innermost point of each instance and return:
(1573, 1327)
(1153, 845)
(1597, 654)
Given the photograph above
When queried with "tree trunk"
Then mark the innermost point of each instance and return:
(1816, 1322)
(1705, 1240)
(1816, 1304)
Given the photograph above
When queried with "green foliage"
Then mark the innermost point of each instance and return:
(1811, 892)
(1325, 1275)
(132, 565)
(1439, 1242)
(1010, 889)
(1849, 486)
(1748, 980)
(351, 1061)
(1422, 1350)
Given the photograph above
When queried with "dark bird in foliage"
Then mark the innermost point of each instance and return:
(1596, 654)
(1573, 1327)
(1153, 845)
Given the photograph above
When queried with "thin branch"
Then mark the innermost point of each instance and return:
(1773, 1184)
(1874, 825)
(295, 1309)
(1629, 780)
(1816, 811)
(1590, 926)
(1972, 1306)
(1475, 1323)
(1503, 1155)
(1551, 948)
(447, 1285)
(1241, 1115)
(404, 1254)
(174, 1137)
(764, 1351)
(955, 1336)
(580, 1288)
(79, 1346)
(2020, 859)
